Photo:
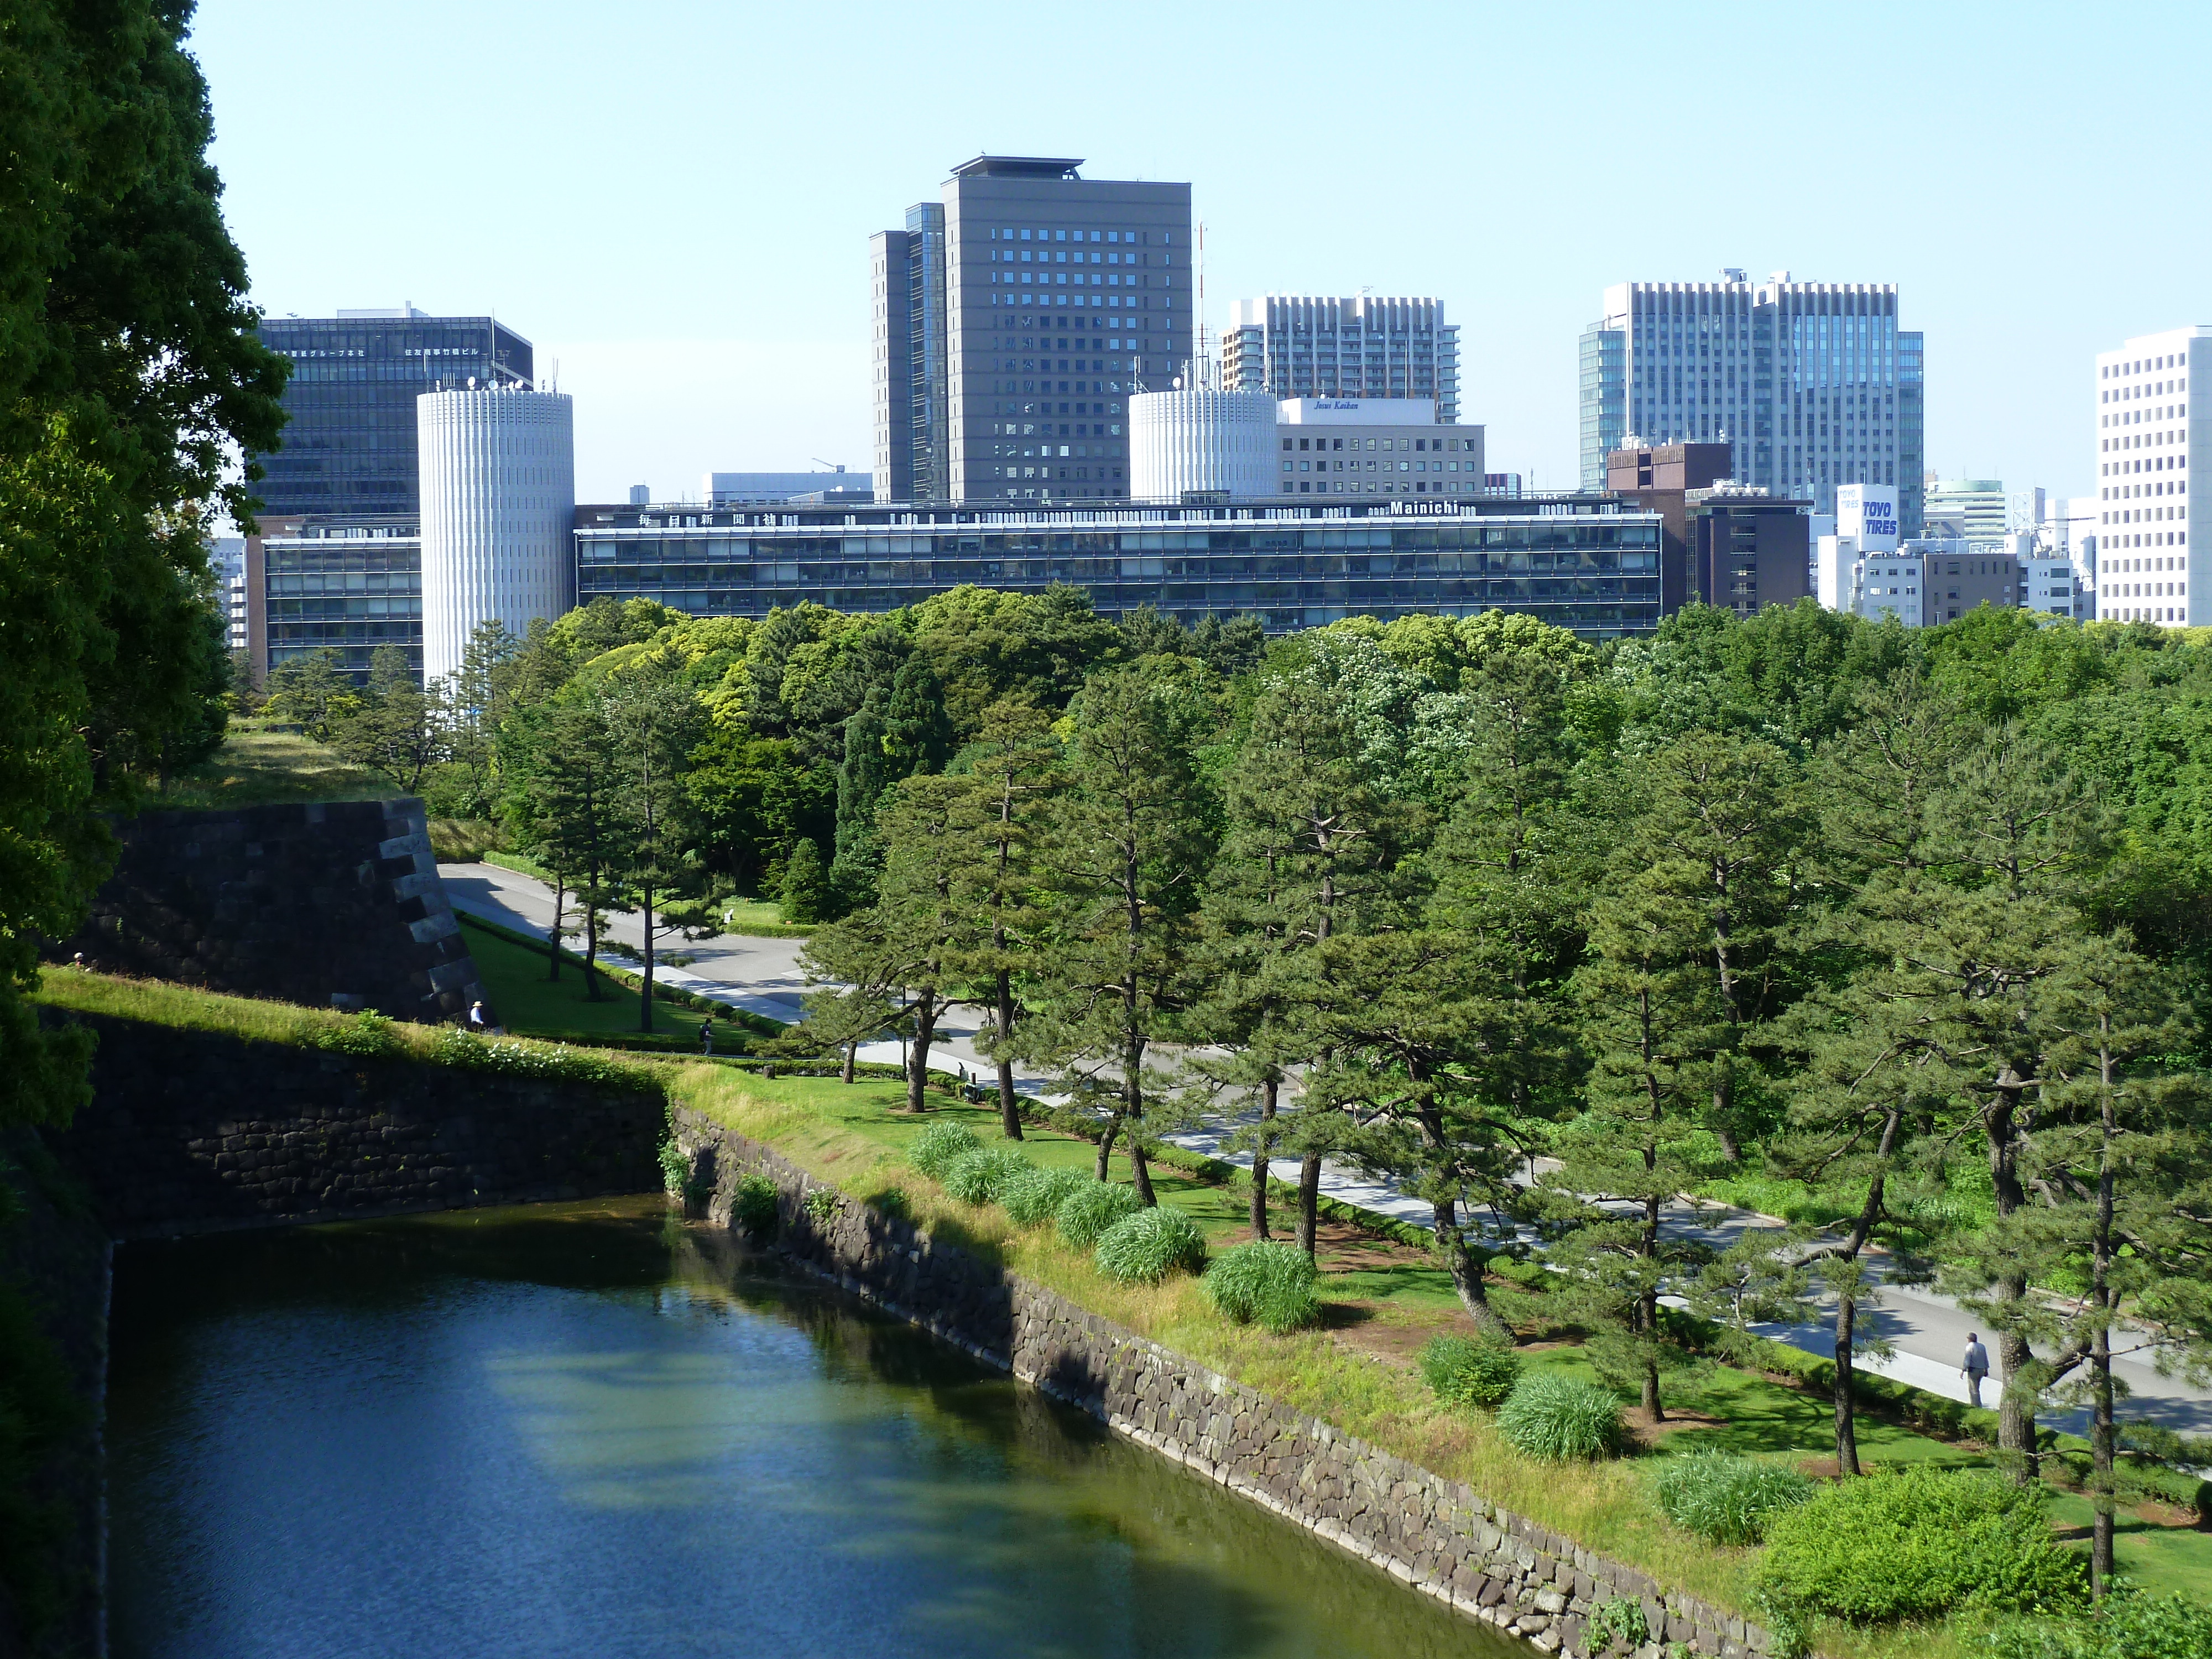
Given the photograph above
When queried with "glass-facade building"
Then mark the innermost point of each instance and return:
(349, 440)
(1589, 564)
(1812, 383)
(346, 584)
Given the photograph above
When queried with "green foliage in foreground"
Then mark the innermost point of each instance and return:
(537, 1060)
(2130, 1625)
(1730, 1500)
(1148, 1246)
(1461, 1372)
(1561, 1419)
(1033, 1198)
(983, 1176)
(1266, 1283)
(1087, 1213)
(1917, 1545)
(936, 1147)
(753, 1206)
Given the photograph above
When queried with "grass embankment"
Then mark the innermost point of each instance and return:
(1382, 1300)
(514, 972)
(256, 766)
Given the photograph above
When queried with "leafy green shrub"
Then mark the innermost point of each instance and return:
(1032, 1197)
(1560, 1419)
(1730, 1500)
(1917, 1543)
(469, 1052)
(1463, 1372)
(824, 1203)
(367, 1036)
(1091, 1208)
(675, 1167)
(935, 1147)
(981, 1176)
(1620, 1622)
(1265, 1283)
(753, 1206)
(2130, 1625)
(1150, 1245)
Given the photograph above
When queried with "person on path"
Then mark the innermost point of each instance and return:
(1976, 1368)
(476, 1021)
(707, 1035)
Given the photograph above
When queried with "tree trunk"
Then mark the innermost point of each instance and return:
(1106, 1146)
(1847, 1430)
(560, 892)
(924, 1030)
(1268, 1091)
(592, 991)
(1309, 1201)
(1648, 1306)
(851, 1050)
(2015, 1405)
(645, 991)
(2100, 1355)
(1144, 1175)
(1010, 1111)
(1466, 1276)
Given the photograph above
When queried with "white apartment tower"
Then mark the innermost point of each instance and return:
(1299, 346)
(1813, 384)
(2147, 447)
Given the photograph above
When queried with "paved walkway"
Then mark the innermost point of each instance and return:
(1927, 1331)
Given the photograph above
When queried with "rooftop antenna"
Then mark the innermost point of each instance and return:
(556, 375)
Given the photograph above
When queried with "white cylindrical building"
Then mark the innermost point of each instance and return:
(498, 469)
(1220, 441)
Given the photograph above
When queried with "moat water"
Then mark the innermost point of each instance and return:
(591, 1429)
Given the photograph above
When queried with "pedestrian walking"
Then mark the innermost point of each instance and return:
(478, 1024)
(1976, 1368)
(707, 1035)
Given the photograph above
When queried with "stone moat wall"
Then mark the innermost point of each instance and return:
(195, 1131)
(1435, 1534)
(335, 903)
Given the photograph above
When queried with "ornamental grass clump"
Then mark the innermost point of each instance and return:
(1091, 1208)
(1727, 1499)
(1561, 1419)
(1146, 1247)
(1462, 1370)
(1916, 1544)
(982, 1176)
(935, 1147)
(1265, 1283)
(1033, 1197)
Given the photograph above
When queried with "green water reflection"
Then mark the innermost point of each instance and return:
(588, 1430)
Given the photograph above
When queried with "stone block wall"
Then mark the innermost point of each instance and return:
(1435, 1534)
(195, 1131)
(336, 904)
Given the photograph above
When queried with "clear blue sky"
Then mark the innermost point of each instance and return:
(674, 199)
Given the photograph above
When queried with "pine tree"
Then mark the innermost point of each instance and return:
(652, 721)
(1010, 773)
(1129, 846)
(2115, 1165)
(1309, 855)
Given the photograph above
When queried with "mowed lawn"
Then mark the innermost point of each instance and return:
(529, 1004)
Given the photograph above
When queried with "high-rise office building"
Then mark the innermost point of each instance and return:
(349, 444)
(1812, 383)
(1966, 509)
(1013, 321)
(2147, 447)
(1295, 346)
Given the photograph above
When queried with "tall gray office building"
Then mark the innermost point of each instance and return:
(349, 443)
(1359, 347)
(1812, 383)
(1013, 319)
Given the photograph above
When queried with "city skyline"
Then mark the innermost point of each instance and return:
(713, 314)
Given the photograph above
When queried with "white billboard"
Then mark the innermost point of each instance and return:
(1867, 514)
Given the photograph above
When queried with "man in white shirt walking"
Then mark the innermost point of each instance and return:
(1976, 1368)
